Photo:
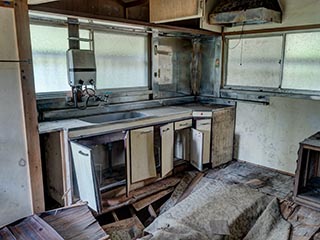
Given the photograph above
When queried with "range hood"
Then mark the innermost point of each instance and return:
(240, 12)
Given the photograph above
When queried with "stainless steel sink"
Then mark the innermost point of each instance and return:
(112, 117)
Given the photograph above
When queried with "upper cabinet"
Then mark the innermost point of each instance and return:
(162, 11)
(168, 11)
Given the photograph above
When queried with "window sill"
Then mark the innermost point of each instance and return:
(263, 96)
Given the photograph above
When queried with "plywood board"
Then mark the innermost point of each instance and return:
(167, 145)
(84, 170)
(204, 125)
(53, 161)
(168, 10)
(142, 154)
(222, 136)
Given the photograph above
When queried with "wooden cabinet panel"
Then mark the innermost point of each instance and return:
(84, 169)
(204, 125)
(169, 10)
(167, 145)
(142, 154)
(222, 136)
(196, 151)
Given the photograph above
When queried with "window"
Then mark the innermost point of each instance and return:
(49, 46)
(302, 61)
(254, 62)
(121, 59)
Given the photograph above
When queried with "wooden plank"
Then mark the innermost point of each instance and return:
(142, 154)
(167, 145)
(5, 234)
(34, 228)
(192, 185)
(138, 194)
(29, 104)
(204, 125)
(223, 124)
(153, 198)
(131, 226)
(167, 10)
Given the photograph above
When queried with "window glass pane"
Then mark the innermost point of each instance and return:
(49, 46)
(121, 59)
(254, 62)
(84, 34)
(302, 61)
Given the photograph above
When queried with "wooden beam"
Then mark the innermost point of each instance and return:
(29, 104)
(135, 3)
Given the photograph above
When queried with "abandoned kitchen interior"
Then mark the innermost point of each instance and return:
(160, 119)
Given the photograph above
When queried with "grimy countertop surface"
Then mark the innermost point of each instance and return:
(78, 127)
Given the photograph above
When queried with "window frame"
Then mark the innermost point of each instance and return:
(101, 26)
(269, 91)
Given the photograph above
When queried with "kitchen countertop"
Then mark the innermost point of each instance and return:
(77, 128)
(154, 114)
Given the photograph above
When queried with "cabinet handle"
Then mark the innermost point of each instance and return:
(203, 124)
(183, 124)
(146, 132)
(166, 130)
(83, 154)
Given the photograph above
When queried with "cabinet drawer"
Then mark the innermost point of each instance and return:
(183, 124)
(203, 124)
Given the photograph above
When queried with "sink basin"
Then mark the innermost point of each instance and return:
(112, 117)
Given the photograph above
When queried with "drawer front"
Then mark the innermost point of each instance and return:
(203, 124)
(206, 114)
(183, 124)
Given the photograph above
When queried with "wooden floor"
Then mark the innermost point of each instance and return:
(305, 222)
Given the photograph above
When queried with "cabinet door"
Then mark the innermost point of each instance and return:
(167, 145)
(204, 125)
(128, 161)
(168, 10)
(85, 175)
(196, 151)
(142, 154)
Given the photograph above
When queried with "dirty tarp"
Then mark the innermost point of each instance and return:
(218, 211)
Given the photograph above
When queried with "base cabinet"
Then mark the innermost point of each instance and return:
(142, 161)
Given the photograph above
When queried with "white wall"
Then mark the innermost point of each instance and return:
(269, 135)
(15, 192)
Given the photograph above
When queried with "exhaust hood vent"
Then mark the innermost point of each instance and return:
(234, 13)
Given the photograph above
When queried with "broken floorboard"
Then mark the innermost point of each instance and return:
(138, 194)
(74, 223)
(151, 199)
(127, 229)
